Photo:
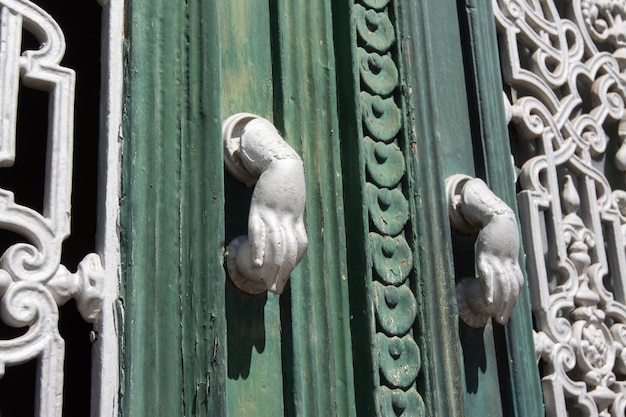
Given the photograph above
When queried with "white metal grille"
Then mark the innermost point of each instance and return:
(563, 64)
(33, 282)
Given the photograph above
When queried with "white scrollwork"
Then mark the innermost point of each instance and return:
(31, 304)
(254, 152)
(563, 63)
(494, 291)
(33, 283)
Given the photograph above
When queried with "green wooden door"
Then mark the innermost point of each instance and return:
(289, 355)
(500, 371)
(380, 98)
(193, 344)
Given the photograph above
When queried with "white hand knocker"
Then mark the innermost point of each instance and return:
(255, 153)
(473, 207)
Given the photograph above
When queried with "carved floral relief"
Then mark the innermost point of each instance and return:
(398, 357)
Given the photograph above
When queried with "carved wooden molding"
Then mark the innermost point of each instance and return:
(564, 64)
(395, 305)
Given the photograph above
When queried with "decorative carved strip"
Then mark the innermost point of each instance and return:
(564, 64)
(395, 305)
(33, 283)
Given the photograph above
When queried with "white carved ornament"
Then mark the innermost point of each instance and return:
(33, 283)
(256, 154)
(564, 64)
(493, 292)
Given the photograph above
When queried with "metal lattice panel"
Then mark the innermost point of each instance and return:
(33, 280)
(563, 63)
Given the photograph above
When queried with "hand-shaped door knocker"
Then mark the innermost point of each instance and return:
(255, 153)
(473, 207)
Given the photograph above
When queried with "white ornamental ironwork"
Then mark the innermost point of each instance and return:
(33, 283)
(563, 63)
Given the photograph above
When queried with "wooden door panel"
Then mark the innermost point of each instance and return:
(329, 344)
(254, 370)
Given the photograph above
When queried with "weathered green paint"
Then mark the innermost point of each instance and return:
(171, 213)
(386, 357)
(246, 52)
(353, 175)
(433, 88)
(455, 147)
(254, 384)
(193, 345)
(202, 226)
(480, 360)
(427, 107)
(318, 352)
(482, 385)
(522, 388)
(150, 222)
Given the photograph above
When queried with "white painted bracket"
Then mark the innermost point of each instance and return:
(255, 153)
(473, 207)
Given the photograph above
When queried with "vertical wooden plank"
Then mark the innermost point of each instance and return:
(522, 378)
(105, 400)
(150, 217)
(202, 219)
(319, 351)
(254, 382)
(171, 216)
(246, 57)
(358, 256)
(433, 92)
(455, 145)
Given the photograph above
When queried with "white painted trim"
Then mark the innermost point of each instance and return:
(105, 354)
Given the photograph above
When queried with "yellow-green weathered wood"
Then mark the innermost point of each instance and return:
(254, 383)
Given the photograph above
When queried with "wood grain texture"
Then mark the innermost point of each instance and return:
(433, 94)
(171, 213)
(521, 383)
(150, 222)
(202, 219)
(318, 349)
(254, 383)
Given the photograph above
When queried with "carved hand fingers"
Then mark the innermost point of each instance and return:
(276, 236)
(500, 283)
(496, 288)
(275, 250)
